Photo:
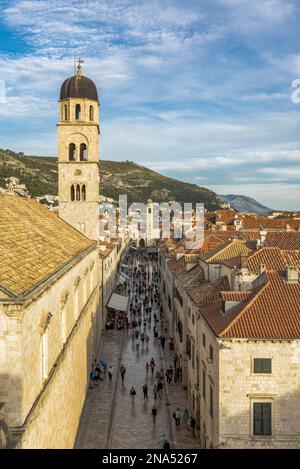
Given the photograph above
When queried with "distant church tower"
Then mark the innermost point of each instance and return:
(78, 154)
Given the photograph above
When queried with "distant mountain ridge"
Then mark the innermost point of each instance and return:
(242, 203)
(40, 174)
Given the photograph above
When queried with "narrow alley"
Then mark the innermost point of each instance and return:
(111, 417)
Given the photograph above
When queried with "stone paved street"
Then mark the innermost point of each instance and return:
(111, 420)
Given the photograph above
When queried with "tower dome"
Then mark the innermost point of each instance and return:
(78, 86)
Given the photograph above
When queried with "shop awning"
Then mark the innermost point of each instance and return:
(121, 280)
(118, 302)
(124, 276)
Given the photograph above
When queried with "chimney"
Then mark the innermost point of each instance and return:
(244, 257)
(262, 238)
(262, 268)
(292, 274)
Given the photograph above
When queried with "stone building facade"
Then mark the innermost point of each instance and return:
(50, 324)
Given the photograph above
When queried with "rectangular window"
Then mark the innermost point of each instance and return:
(204, 384)
(262, 365)
(211, 353)
(262, 418)
(203, 340)
(198, 371)
(188, 346)
(211, 402)
(193, 319)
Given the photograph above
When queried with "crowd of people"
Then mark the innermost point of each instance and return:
(146, 315)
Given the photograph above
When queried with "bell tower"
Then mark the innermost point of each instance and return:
(78, 154)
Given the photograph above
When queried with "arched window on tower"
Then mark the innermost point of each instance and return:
(72, 193)
(78, 192)
(83, 152)
(65, 112)
(72, 152)
(91, 113)
(77, 112)
(83, 193)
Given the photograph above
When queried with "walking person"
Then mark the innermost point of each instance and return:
(160, 387)
(122, 371)
(177, 416)
(132, 394)
(152, 365)
(185, 417)
(168, 376)
(145, 391)
(110, 372)
(193, 425)
(154, 413)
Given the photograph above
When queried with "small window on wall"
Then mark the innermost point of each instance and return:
(211, 402)
(91, 113)
(83, 152)
(65, 112)
(211, 353)
(203, 340)
(83, 193)
(262, 418)
(204, 384)
(72, 193)
(77, 112)
(78, 192)
(262, 365)
(72, 152)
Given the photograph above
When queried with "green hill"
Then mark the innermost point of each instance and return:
(39, 174)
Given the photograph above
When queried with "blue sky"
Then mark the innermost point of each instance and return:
(198, 90)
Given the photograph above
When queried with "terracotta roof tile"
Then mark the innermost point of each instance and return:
(272, 313)
(209, 292)
(235, 295)
(227, 250)
(284, 240)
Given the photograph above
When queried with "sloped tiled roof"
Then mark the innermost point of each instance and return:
(227, 250)
(272, 259)
(192, 277)
(270, 223)
(176, 265)
(35, 243)
(235, 295)
(209, 292)
(273, 312)
(283, 240)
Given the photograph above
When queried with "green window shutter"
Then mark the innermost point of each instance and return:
(257, 423)
(262, 418)
(262, 365)
(267, 417)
